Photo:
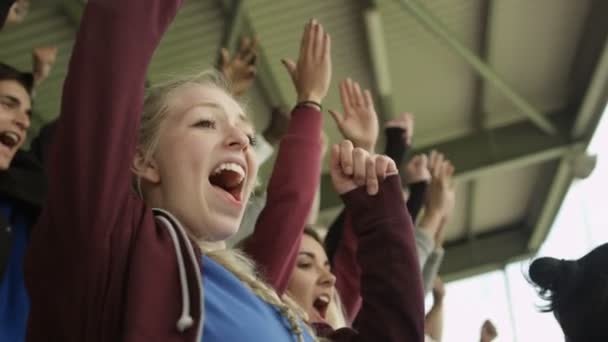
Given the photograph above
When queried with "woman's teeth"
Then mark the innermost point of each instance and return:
(324, 299)
(230, 167)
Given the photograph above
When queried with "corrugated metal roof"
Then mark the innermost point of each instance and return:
(532, 45)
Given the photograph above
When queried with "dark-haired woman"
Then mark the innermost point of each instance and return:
(577, 293)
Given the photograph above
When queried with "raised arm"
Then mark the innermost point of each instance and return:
(433, 323)
(417, 176)
(91, 154)
(439, 208)
(399, 133)
(295, 177)
(391, 287)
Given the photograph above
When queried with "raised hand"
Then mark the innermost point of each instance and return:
(311, 74)
(43, 60)
(17, 12)
(352, 167)
(488, 332)
(438, 290)
(359, 122)
(417, 169)
(441, 192)
(405, 121)
(240, 69)
(435, 159)
(450, 196)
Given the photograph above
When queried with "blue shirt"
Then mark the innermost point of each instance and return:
(234, 313)
(14, 302)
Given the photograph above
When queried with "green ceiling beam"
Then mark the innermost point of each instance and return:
(595, 100)
(479, 117)
(559, 187)
(435, 26)
(234, 25)
(592, 71)
(485, 253)
(493, 150)
(240, 24)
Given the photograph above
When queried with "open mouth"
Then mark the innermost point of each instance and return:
(229, 177)
(321, 304)
(9, 139)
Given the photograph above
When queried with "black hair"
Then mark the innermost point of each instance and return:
(310, 231)
(5, 7)
(26, 80)
(576, 292)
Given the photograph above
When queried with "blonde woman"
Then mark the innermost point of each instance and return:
(102, 265)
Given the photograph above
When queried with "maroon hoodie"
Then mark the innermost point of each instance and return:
(100, 267)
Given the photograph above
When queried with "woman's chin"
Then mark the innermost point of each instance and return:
(221, 232)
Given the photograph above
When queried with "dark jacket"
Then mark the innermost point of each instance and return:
(24, 184)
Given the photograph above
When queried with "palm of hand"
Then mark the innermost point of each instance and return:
(240, 69)
(240, 75)
(360, 125)
(44, 58)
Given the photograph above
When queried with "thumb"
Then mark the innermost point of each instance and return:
(291, 68)
(338, 118)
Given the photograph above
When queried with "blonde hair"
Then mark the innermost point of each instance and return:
(155, 111)
(156, 105)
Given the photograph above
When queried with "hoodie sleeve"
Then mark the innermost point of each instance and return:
(91, 156)
(391, 284)
(291, 192)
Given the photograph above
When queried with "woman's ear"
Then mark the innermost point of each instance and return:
(145, 168)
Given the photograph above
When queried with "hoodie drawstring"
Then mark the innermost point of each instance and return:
(185, 321)
(174, 227)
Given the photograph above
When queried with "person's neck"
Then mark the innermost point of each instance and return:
(211, 246)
